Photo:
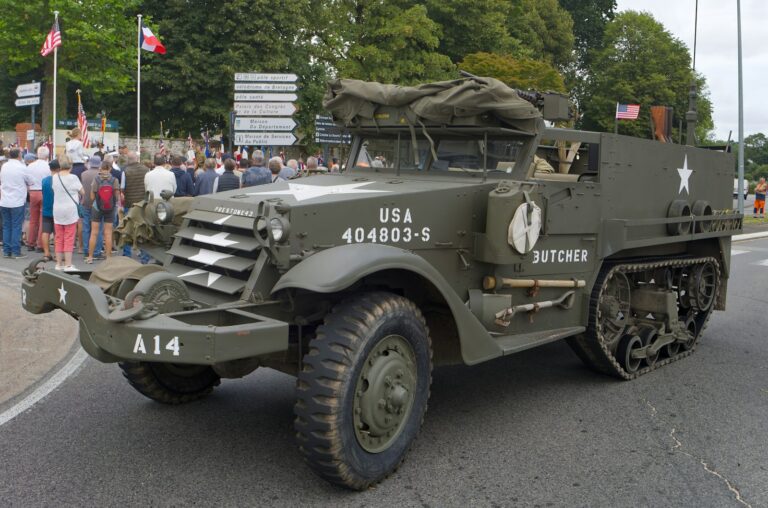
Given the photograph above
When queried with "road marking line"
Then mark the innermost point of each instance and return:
(736, 252)
(764, 262)
(46, 388)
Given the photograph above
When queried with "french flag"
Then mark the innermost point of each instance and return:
(149, 42)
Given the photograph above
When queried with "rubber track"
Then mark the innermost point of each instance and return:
(141, 377)
(592, 349)
(332, 355)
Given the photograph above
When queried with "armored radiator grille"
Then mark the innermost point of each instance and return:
(214, 251)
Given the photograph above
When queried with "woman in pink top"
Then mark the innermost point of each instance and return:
(67, 192)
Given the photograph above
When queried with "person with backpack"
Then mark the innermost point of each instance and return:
(105, 192)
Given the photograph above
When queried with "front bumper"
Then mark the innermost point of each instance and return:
(200, 337)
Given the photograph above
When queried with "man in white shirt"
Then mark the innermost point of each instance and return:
(14, 180)
(37, 170)
(160, 178)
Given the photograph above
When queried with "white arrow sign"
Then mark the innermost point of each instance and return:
(265, 87)
(264, 108)
(28, 101)
(260, 76)
(261, 97)
(264, 124)
(265, 138)
(27, 90)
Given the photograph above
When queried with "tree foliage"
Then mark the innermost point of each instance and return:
(521, 73)
(473, 26)
(580, 47)
(641, 63)
(391, 43)
(546, 29)
(98, 45)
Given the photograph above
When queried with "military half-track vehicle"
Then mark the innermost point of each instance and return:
(463, 229)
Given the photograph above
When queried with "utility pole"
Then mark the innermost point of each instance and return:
(741, 115)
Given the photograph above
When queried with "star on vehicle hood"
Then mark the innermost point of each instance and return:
(304, 192)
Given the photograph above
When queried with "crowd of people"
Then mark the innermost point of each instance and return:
(77, 200)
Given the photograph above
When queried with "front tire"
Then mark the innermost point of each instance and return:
(363, 391)
(170, 383)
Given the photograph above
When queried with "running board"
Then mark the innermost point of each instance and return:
(515, 343)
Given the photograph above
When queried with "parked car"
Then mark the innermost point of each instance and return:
(736, 188)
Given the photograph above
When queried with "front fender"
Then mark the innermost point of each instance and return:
(338, 268)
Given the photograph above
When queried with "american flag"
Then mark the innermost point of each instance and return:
(52, 40)
(162, 147)
(627, 111)
(82, 122)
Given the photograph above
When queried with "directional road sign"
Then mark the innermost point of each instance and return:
(333, 139)
(248, 123)
(28, 101)
(269, 77)
(264, 108)
(265, 138)
(27, 90)
(265, 97)
(265, 87)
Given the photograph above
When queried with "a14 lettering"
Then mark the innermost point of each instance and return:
(140, 347)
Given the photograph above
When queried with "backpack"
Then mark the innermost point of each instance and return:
(105, 194)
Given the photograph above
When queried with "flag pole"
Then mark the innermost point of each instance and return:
(55, 72)
(138, 89)
(616, 120)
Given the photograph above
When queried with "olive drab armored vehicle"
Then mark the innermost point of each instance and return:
(461, 229)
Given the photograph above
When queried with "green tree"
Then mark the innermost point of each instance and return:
(472, 26)
(641, 63)
(98, 45)
(546, 29)
(191, 87)
(589, 20)
(520, 73)
(391, 42)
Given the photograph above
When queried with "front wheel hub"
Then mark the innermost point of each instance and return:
(384, 393)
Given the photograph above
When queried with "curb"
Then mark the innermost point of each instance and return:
(749, 236)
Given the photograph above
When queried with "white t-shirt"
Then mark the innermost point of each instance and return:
(75, 151)
(158, 180)
(64, 208)
(37, 171)
(14, 179)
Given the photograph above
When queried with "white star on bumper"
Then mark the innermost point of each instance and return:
(303, 192)
(62, 294)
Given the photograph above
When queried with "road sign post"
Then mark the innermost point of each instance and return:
(29, 95)
(263, 106)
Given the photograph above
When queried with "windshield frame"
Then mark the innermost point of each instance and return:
(528, 143)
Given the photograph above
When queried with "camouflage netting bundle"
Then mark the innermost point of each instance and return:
(134, 228)
(444, 102)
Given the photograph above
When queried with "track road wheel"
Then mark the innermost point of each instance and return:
(627, 345)
(170, 383)
(363, 391)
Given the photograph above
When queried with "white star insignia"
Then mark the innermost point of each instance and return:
(685, 174)
(62, 294)
(303, 192)
(209, 257)
(219, 239)
(212, 277)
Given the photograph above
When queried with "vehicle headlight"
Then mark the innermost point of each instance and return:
(278, 229)
(164, 212)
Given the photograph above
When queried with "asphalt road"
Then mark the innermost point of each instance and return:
(534, 429)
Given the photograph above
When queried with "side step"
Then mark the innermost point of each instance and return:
(516, 343)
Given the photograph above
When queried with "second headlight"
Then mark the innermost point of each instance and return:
(278, 229)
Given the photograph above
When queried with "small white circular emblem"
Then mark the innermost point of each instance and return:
(525, 227)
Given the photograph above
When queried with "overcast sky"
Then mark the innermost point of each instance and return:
(717, 54)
